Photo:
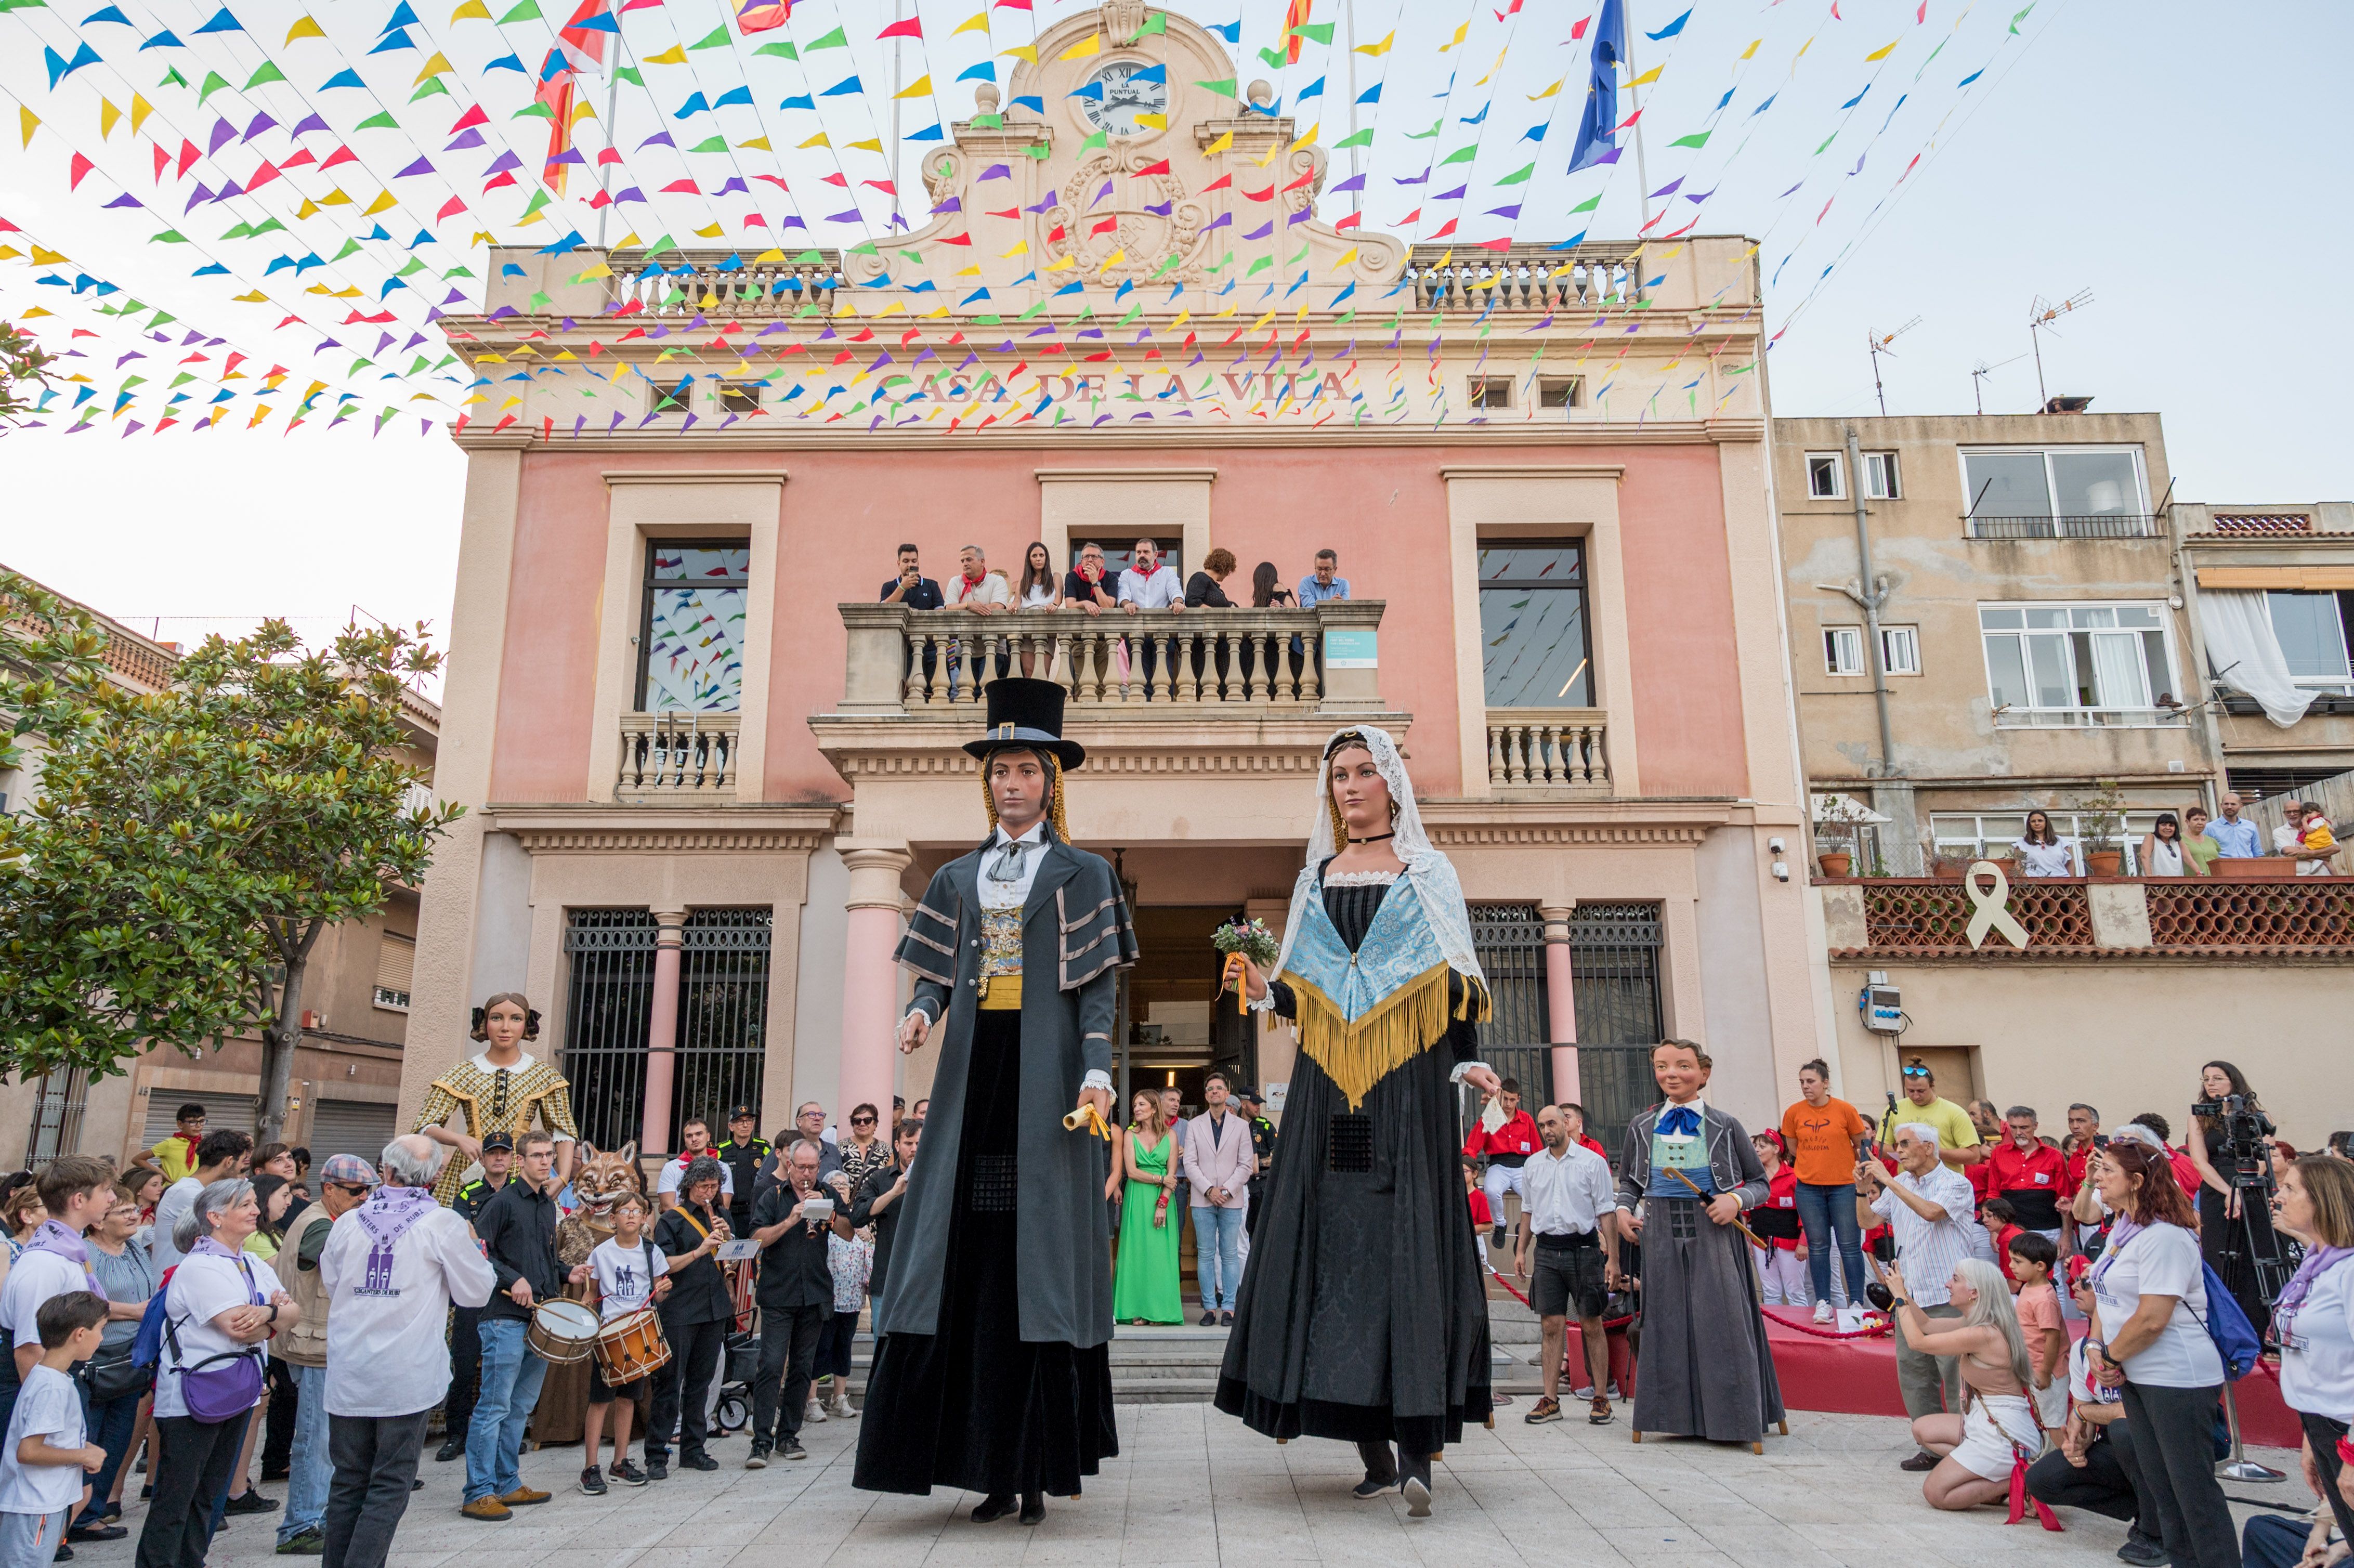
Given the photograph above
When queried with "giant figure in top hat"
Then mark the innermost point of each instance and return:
(992, 1372)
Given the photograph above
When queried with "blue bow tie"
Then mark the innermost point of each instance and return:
(1678, 1121)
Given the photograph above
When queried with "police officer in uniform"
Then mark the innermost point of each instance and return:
(743, 1154)
(465, 1341)
(1262, 1133)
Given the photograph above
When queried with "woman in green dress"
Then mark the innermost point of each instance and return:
(1144, 1289)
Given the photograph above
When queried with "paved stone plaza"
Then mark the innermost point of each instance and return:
(1193, 1487)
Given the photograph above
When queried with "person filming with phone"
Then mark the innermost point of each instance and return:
(1929, 1206)
(796, 1293)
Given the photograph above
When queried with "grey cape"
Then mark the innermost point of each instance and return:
(1076, 935)
(1704, 1369)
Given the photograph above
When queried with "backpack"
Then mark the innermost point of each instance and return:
(147, 1345)
(2235, 1336)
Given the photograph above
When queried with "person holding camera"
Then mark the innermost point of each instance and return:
(2148, 1338)
(1928, 1206)
(796, 1294)
(2233, 1230)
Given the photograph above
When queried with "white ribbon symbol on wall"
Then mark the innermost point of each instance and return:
(1988, 913)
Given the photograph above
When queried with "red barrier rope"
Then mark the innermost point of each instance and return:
(1606, 1322)
(1879, 1330)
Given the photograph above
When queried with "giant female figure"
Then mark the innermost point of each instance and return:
(1363, 1314)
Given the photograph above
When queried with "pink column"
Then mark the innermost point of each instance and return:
(662, 1031)
(870, 982)
(1561, 1002)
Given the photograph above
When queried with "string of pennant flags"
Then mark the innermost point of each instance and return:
(233, 188)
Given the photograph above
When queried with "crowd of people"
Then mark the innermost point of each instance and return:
(2190, 845)
(2067, 1312)
(1091, 588)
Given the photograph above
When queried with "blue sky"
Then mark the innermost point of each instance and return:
(2100, 150)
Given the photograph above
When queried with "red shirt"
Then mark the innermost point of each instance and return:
(1782, 1196)
(1480, 1218)
(1518, 1135)
(2072, 1174)
(2002, 1250)
(1596, 1147)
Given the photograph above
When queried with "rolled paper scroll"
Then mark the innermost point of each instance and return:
(1087, 1119)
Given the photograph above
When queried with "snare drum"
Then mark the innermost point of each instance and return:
(562, 1332)
(632, 1346)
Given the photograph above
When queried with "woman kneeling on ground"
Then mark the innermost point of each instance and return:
(1997, 1431)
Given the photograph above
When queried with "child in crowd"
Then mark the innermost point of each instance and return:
(1996, 1215)
(1481, 1219)
(851, 1259)
(2032, 1258)
(625, 1274)
(49, 1448)
(1782, 1263)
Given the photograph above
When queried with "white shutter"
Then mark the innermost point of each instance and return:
(223, 1112)
(395, 962)
(350, 1127)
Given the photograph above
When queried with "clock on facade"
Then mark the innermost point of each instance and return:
(1124, 98)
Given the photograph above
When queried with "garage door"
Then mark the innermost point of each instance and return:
(223, 1112)
(350, 1127)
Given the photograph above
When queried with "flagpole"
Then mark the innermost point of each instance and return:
(898, 45)
(1642, 176)
(612, 105)
(1349, 12)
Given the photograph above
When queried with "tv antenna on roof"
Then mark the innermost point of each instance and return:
(1877, 342)
(2043, 317)
(1980, 370)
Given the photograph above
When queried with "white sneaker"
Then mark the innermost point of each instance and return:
(1581, 1396)
(840, 1408)
(815, 1412)
(1823, 1312)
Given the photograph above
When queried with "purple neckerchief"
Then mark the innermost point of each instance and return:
(212, 1246)
(2318, 1262)
(54, 1237)
(387, 1216)
(2121, 1233)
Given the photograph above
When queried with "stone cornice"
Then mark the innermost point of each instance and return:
(1141, 746)
(1507, 822)
(740, 438)
(1121, 475)
(1532, 470)
(600, 829)
(694, 476)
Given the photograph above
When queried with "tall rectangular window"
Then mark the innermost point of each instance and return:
(1824, 480)
(691, 633)
(1843, 651)
(1533, 626)
(1900, 649)
(1880, 475)
(2066, 664)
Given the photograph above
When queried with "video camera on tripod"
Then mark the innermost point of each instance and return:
(2242, 1156)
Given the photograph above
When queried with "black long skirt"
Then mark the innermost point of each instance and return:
(975, 1406)
(1704, 1368)
(1363, 1314)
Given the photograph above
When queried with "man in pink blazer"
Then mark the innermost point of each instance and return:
(1219, 1161)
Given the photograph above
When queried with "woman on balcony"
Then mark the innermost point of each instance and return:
(1363, 1315)
(1205, 589)
(2042, 852)
(1040, 589)
(2161, 848)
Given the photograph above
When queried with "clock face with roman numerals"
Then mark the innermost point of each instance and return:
(1125, 97)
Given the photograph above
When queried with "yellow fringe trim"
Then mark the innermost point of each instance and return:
(1358, 1056)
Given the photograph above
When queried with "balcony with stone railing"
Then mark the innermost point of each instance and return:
(1548, 751)
(721, 284)
(1532, 278)
(2077, 920)
(680, 757)
(1235, 666)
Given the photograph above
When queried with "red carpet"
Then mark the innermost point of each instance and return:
(1858, 1377)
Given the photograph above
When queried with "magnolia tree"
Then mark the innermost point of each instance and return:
(186, 849)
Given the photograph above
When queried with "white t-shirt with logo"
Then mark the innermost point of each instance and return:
(626, 1275)
(48, 1405)
(2162, 1260)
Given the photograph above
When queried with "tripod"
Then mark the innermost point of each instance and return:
(2250, 1243)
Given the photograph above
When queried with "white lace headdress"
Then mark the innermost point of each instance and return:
(1432, 873)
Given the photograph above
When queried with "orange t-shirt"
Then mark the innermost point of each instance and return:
(1822, 1142)
(2038, 1309)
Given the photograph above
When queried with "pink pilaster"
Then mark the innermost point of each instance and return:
(1561, 1003)
(662, 1031)
(870, 988)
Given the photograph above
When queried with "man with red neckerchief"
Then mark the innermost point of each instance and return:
(694, 1134)
(2029, 1174)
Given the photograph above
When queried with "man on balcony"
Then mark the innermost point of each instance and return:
(2235, 835)
(911, 588)
(1325, 582)
(1150, 585)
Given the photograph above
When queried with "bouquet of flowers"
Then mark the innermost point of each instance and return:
(1247, 939)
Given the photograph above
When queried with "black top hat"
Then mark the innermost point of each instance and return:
(1026, 716)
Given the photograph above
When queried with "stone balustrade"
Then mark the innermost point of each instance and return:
(1239, 663)
(678, 757)
(1525, 278)
(1549, 749)
(703, 282)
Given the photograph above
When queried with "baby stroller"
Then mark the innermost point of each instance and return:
(740, 1363)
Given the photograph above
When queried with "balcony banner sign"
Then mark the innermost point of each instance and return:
(1987, 911)
(1352, 648)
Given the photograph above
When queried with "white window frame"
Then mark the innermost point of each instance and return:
(2073, 716)
(1844, 648)
(2051, 485)
(1882, 479)
(1977, 835)
(1838, 491)
(1900, 649)
(2342, 685)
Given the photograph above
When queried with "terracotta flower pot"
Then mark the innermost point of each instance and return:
(1949, 870)
(2106, 863)
(1837, 862)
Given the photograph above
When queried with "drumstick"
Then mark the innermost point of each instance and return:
(1754, 1238)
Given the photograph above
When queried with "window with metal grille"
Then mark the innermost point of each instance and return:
(720, 1046)
(1509, 941)
(1614, 952)
(56, 1118)
(396, 962)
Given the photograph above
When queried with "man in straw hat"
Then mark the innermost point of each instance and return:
(993, 1372)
